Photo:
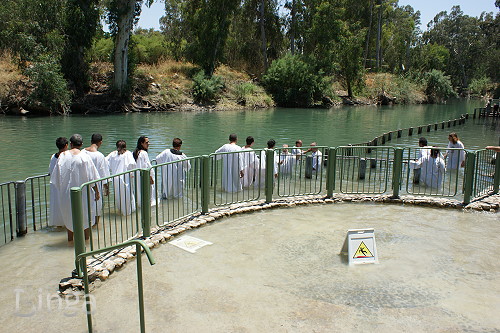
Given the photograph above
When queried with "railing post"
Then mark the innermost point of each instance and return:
(397, 169)
(205, 183)
(330, 171)
(77, 217)
(470, 163)
(146, 202)
(496, 179)
(21, 225)
(269, 174)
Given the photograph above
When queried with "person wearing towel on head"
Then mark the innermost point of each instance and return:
(73, 169)
(432, 168)
(232, 165)
(173, 175)
(121, 160)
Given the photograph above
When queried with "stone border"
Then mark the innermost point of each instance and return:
(101, 267)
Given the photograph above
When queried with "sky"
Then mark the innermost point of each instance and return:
(428, 9)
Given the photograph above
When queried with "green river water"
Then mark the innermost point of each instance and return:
(28, 142)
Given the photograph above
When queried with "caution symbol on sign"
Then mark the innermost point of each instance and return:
(362, 252)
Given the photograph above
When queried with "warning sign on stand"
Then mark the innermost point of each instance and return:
(359, 246)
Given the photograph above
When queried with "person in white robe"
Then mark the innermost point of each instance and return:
(121, 160)
(173, 175)
(261, 180)
(56, 219)
(286, 161)
(251, 163)
(141, 158)
(232, 165)
(454, 158)
(102, 167)
(424, 150)
(317, 157)
(73, 169)
(432, 168)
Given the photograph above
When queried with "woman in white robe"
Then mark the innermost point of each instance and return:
(102, 167)
(251, 165)
(432, 168)
(455, 158)
(286, 161)
(141, 158)
(56, 218)
(232, 165)
(121, 160)
(173, 175)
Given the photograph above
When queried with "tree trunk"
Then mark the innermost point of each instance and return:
(292, 29)
(263, 33)
(368, 33)
(125, 24)
(379, 35)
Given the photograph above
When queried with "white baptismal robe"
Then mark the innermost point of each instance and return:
(232, 164)
(102, 167)
(251, 163)
(123, 187)
(173, 175)
(287, 162)
(316, 161)
(143, 162)
(72, 171)
(432, 170)
(56, 219)
(454, 157)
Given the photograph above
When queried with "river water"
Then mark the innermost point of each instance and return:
(28, 142)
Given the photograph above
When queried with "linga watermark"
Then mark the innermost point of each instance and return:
(31, 302)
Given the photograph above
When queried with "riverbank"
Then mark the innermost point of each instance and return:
(171, 86)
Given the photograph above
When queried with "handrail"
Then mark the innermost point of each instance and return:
(81, 264)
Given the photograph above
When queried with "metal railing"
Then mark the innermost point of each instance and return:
(8, 212)
(81, 264)
(38, 203)
(486, 167)
(177, 190)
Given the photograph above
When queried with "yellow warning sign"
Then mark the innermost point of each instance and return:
(362, 252)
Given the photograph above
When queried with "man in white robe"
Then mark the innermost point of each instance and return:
(121, 160)
(261, 181)
(73, 169)
(432, 168)
(286, 161)
(102, 167)
(232, 165)
(173, 175)
(251, 162)
(56, 218)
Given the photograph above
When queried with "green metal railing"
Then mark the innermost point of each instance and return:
(81, 264)
(8, 211)
(486, 172)
(177, 193)
(38, 201)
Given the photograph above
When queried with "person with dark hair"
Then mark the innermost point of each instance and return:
(141, 158)
(251, 162)
(102, 167)
(232, 165)
(432, 168)
(425, 149)
(455, 158)
(121, 160)
(56, 218)
(262, 177)
(73, 169)
(173, 175)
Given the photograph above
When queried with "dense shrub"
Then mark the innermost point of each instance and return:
(207, 90)
(438, 86)
(293, 82)
(102, 50)
(50, 87)
(481, 86)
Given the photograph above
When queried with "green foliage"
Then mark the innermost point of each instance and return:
(150, 46)
(481, 86)
(207, 90)
(438, 87)
(243, 91)
(102, 50)
(293, 82)
(50, 87)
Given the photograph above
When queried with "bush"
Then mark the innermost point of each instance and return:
(293, 82)
(243, 91)
(102, 50)
(207, 90)
(50, 87)
(438, 86)
(481, 87)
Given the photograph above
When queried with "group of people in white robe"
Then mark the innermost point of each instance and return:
(431, 165)
(243, 168)
(74, 167)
